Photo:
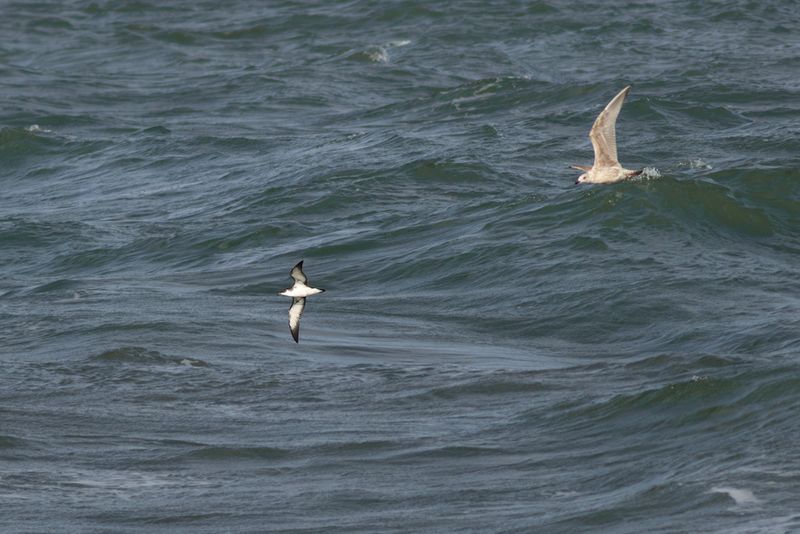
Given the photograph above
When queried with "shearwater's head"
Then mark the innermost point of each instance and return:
(582, 178)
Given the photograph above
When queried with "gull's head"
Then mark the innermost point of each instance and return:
(581, 179)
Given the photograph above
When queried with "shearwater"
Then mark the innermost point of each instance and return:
(606, 168)
(299, 291)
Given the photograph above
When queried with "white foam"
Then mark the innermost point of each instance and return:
(124, 483)
(739, 496)
(567, 494)
(378, 55)
(34, 128)
(696, 163)
(650, 172)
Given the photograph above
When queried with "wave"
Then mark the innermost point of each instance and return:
(501, 385)
(20, 144)
(739, 495)
(450, 453)
(222, 453)
(140, 355)
(713, 402)
(11, 442)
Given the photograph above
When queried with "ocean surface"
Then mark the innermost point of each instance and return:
(498, 349)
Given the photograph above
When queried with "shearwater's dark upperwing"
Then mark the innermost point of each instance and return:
(298, 274)
(604, 132)
(295, 311)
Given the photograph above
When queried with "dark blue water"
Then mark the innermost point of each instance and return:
(498, 350)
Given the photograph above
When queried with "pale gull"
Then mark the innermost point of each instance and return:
(606, 168)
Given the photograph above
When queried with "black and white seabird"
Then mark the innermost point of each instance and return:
(299, 291)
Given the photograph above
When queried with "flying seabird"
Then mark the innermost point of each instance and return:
(606, 168)
(299, 291)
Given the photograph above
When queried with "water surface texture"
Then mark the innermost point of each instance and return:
(498, 349)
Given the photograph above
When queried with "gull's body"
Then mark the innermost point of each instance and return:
(299, 291)
(606, 168)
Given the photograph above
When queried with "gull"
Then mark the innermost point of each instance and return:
(299, 291)
(606, 168)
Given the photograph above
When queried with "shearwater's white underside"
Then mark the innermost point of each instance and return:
(299, 290)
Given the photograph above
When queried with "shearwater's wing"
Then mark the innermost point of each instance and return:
(604, 132)
(295, 311)
(298, 274)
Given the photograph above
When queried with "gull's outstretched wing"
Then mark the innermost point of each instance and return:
(295, 311)
(604, 132)
(298, 274)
